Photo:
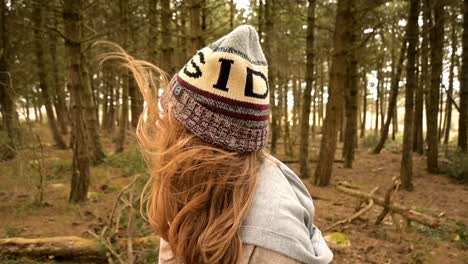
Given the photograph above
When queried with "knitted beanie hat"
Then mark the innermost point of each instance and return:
(221, 94)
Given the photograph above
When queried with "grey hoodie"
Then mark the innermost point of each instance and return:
(281, 217)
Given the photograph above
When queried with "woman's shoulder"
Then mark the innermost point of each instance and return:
(281, 216)
(252, 254)
(276, 173)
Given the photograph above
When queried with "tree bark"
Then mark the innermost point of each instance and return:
(120, 146)
(306, 96)
(59, 100)
(335, 98)
(392, 100)
(351, 101)
(406, 170)
(463, 117)
(166, 43)
(67, 246)
(7, 94)
(43, 85)
(196, 38)
(364, 110)
(270, 15)
(436, 36)
(453, 60)
(95, 147)
(81, 162)
(379, 91)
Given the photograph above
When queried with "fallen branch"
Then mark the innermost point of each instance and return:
(311, 161)
(356, 215)
(388, 199)
(67, 246)
(402, 210)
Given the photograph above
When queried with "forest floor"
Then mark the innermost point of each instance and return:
(433, 194)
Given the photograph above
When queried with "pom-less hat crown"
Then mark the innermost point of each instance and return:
(221, 94)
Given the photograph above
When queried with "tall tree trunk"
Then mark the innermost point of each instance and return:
(37, 108)
(335, 98)
(7, 94)
(81, 162)
(125, 82)
(406, 170)
(463, 117)
(440, 128)
(166, 43)
(261, 10)
(392, 100)
(287, 135)
(195, 25)
(364, 110)
(95, 147)
(232, 10)
(296, 105)
(270, 15)
(43, 85)
(59, 100)
(418, 137)
(379, 91)
(306, 96)
(453, 56)
(351, 102)
(437, 49)
(153, 31)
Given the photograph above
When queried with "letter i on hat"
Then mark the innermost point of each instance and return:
(221, 94)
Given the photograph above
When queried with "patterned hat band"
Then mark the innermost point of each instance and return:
(222, 96)
(220, 130)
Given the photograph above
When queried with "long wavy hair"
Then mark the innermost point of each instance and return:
(198, 194)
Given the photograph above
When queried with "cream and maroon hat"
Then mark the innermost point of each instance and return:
(221, 94)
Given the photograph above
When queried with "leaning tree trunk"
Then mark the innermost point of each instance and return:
(7, 94)
(393, 99)
(335, 99)
(59, 100)
(306, 96)
(437, 48)
(41, 71)
(81, 162)
(463, 118)
(453, 59)
(406, 170)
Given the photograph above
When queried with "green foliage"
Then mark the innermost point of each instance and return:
(151, 254)
(131, 162)
(461, 235)
(456, 233)
(457, 168)
(59, 167)
(7, 259)
(370, 140)
(12, 231)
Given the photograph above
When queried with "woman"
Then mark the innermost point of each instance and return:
(215, 195)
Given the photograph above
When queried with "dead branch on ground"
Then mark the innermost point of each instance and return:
(392, 207)
(356, 215)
